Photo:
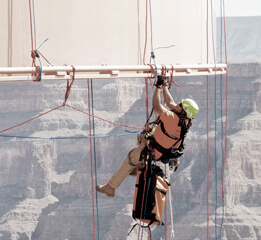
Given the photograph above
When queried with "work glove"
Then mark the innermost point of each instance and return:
(160, 81)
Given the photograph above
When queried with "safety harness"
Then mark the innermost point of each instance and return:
(170, 152)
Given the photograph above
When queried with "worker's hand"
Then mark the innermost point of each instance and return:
(160, 81)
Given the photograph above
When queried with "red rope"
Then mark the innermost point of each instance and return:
(163, 70)
(33, 52)
(32, 40)
(69, 85)
(153, 74)
(147, 98)
(30, 119)
(44, 57)
(146, 32)
(171, 78)
(122, 125)
(90, 133)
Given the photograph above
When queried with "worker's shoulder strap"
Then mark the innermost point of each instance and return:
(182, 123)
(165, 132)
(184, 130)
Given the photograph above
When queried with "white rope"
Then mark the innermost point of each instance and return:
(170, 205)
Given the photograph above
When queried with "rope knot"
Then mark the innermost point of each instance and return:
(69, 85)
(37, 54)
(38, 74)
(33, 55)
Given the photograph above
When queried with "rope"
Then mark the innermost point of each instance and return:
(207, 135)
(90, 133)
(95, 166)
(171, 211)
(145, 179)
(69, 85)
(31, 27)
(81, 137)
(146, 32)
(38, 73)
(226, 106)
(34, 52)
(147, 98)
(149, 167)
(166, 212)
(215, 103)
(20, 124)
(225, 148)
(122, 125)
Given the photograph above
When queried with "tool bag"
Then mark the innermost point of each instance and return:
(150, 195)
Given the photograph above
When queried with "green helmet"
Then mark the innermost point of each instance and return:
(190, 107)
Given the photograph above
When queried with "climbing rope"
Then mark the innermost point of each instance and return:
(170, 206)
(117, 124)
(35, 51)
(166, 206)
(69, 85)
(94, 156)
(215, 109)
(20, 124)
(222, 136)
(146, 32)
(27, 121)
(90, 133)
(222, 7)
(207, 134)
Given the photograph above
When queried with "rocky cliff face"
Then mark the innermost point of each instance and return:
(46, 185)
(243, 39)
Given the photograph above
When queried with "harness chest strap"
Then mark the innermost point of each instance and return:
(184, 130)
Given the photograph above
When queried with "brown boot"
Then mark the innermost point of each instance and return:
(107, 189)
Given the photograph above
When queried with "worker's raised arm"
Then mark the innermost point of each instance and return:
(156, 99)
(168, 98)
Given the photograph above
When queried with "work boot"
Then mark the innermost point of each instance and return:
(107, 189)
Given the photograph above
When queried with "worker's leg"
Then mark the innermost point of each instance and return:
(128, 165)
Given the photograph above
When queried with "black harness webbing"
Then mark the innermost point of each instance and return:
(184, 129)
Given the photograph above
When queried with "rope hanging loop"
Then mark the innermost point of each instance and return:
(38, 70)
(69, 85)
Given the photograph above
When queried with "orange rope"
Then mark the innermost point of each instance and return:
(33, 52)
(146, 32)
(69, 85)
(147, 98)
(30, 119)
(122, 125)
(31, 26)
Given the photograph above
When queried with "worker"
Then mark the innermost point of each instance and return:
(168, 135)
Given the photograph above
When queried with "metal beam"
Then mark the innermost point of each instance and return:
(11, 74)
